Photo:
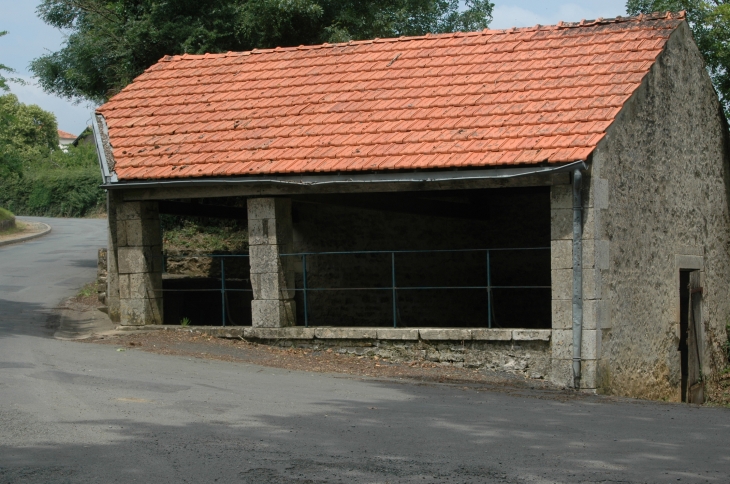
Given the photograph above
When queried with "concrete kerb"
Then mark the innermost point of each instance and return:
(24, 238)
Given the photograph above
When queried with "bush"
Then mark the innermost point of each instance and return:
(5, 214)
(54, 193)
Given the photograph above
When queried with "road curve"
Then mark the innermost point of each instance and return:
(76, 413)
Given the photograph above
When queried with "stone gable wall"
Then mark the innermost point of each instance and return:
(663, 171)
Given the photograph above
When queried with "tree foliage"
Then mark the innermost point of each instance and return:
(110, 42)
(710, 23)
(26, 132)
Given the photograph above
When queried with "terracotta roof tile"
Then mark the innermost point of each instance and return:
(489, 98)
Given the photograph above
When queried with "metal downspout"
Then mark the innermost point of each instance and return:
(577, 277)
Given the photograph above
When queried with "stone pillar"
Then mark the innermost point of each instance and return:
(561, 270)
(139, 257)
(595, 261)
(112, 269)
(272, 276)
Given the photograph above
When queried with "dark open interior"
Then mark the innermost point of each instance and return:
(440, 239)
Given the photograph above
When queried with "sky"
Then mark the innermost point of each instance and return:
(28, 37)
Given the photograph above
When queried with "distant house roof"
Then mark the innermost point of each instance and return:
(482, 99)
(66, 135)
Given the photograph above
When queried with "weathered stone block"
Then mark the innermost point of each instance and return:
(397, 334)
(531, 334)
(561, 196)
(298, 332)
(592, 284)
(445, 334)
(143, 285)
(561, 372)
(269, 208)
(140, 312)
(294, 332)
(141, 232)
(270, 231)
(121, 233)
(272, 313)
(273, 285)
(562, 344)
(561, 281)
(595, 254)
(133, 260)
(137, 211)
(598, 197)
(592, 224)
(595, 314)
(264, 258)
(589, 374)
(562, 314)
(491, 334)
(561, 224)
(345, 333)
(561, 254)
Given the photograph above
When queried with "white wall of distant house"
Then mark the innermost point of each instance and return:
(29, 38)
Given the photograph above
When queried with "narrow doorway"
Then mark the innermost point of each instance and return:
(690, 339)
(683, 325)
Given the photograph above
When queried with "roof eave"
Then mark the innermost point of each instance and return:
(350, 179)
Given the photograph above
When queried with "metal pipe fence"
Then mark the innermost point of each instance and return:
(393, 288)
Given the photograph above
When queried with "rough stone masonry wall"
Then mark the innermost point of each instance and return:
(516, 218)
(664, 166)
(520, 351)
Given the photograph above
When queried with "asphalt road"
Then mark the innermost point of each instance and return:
(73, 412)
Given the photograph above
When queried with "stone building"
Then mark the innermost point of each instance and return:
(551, 200)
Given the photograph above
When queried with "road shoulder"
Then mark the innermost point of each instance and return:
(30, 231)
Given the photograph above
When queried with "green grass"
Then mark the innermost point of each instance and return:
(5, 214)
(88, 289)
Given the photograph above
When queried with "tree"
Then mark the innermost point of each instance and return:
(710, 24)
(110, 42)
(27, 133)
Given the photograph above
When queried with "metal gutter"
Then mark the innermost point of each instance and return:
(106, 173)
(577, 276)
(350, 178)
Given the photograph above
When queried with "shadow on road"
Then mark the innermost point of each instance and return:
(426, 434)
(25, 318)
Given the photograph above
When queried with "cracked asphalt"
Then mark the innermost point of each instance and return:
(77, 413)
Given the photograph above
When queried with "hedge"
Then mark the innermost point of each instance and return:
(54, 193)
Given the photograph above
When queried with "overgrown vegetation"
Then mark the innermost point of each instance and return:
(200, 235)
(37, 177)
(5, 214)
(61, 185)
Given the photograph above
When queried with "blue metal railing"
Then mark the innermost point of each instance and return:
(393, 288)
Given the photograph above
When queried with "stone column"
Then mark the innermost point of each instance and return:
(595, 261)
(561, 270)
(272, 276)
(139, 256)
(112, 269)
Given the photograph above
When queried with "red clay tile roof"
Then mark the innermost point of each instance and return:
(481, 99)
(65, 135)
